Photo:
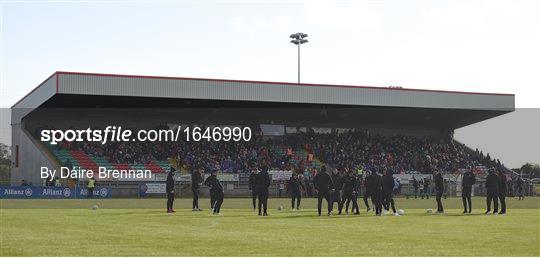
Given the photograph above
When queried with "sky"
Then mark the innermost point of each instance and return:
(461, 45)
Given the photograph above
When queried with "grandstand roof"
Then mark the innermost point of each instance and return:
(111, 89)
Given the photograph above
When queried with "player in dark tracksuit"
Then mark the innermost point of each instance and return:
(359, 185)
(367, 193)
(216, 190)
(295, 186)
(349, 193)
(492, 189)
(338, 185)
(169, 188)
(502, 191)
(388, 188)
(212, 194)
(439, 190)
(374, 186)
(356, 189)
(324, 186)
(196, 180)
(262, 182)
(415, 186)
(520, 187)
(251, 186)
(426, 189)
(469, 179)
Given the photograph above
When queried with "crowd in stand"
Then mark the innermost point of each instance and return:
(228, 157)
(353, 149)
(398, 153)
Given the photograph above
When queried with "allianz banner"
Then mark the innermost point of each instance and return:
(280, 175)
(99, 192)
(151, 188)
(34, 192)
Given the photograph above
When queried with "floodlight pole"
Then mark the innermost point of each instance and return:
(299, 63)
(298, 39)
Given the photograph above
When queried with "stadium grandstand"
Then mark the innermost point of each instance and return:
(295, 127)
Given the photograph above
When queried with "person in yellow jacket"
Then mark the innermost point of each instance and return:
(90, 187)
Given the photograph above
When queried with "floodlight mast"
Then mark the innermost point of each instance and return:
(298, 39)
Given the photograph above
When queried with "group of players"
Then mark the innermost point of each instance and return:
(260, 183)
(496, 191)
(344, 187)
(341, 187)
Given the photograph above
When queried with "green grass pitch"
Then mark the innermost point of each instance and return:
(140, 227)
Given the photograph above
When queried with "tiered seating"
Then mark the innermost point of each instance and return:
(84, 160)
(101, 161)
(138, 166)
(164, 164)
(122, 166)
(356, 150)
(78, 158)
(63, 156)
(154, 167)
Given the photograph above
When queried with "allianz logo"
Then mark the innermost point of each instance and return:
(28, 192)
(13, 192)
(57, 192)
